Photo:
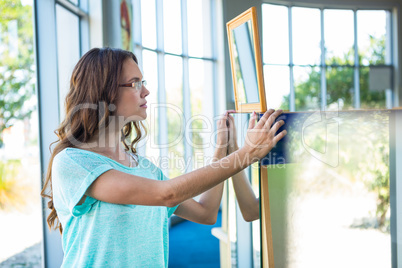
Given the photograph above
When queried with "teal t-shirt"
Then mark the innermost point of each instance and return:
(100, 234)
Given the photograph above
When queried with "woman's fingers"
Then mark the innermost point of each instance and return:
(280, 136)
(222, 130)
(264, 118)
(251, 123)
(272, 118)
(277, 125)
(231, 122)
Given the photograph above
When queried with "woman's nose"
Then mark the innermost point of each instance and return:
(145, 92)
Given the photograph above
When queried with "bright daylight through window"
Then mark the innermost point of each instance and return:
(176, 37)
(330, 60)
(20, 202)
(332, 65)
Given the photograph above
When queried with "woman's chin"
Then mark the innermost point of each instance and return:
(143, 116)
(136, 117)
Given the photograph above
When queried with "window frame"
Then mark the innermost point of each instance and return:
(323, 66)
(47, 85)
(161, 53)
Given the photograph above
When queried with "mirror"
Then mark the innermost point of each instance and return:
(243, 235)
(246, 63)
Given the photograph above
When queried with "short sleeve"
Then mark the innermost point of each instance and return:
(170, 210)
(73, 171)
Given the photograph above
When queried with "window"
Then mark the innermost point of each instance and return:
(62, 36)
(71, 43)
(176, 54)
(331, 59)
(20, 205)
(323, 59)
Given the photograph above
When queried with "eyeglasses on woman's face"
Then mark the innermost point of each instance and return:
(136, 85)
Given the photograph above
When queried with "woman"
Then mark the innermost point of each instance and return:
(111, 205)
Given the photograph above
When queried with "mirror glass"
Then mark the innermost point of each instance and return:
(245, 65)
(242, 234)
(329, 183)
(255, 225)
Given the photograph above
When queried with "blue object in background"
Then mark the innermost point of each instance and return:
(191, 245)
(279, 154)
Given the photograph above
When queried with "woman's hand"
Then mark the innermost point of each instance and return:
(261, 138)
(232, 146)
(222, 132)
(222, 126)
(222, 137)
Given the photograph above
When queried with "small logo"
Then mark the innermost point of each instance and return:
(320, 136)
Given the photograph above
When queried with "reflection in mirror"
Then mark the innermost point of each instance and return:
(245, 186)
(245, 65)
(255, 227)
(232, 225)
(328, 183)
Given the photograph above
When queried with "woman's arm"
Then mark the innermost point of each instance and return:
(132, 189)
(249, 204)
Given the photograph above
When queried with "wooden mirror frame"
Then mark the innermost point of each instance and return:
(250, 14)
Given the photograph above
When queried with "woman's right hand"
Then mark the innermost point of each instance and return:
(261, 138)
(232, 146)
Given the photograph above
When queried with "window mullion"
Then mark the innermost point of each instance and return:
(389, 97)
(186, 87)
(84, 35)
(323, 66)
(292, 105)
(137, 31)
(137, 49)
(84, 28)
(214, 45)
(356, 69)
(162, 112)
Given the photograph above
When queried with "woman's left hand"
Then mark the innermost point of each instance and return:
(232, 146)
(222, 128)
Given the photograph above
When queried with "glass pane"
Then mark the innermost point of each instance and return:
(75, 2)
(340, 89)
(306, 27)
(202, 108)
(332, 195)
(151, 76)
(277, 86)
(148, 24)
(370, 98)
(339, 36)
(68, 50)
(172, 26)
(243, 61)
(232, 224)
(372, 36)
(275, 33)
(255, 225)
(174, 107)
(199, 28)
(20, 175)
(251, 173)
(307, 81)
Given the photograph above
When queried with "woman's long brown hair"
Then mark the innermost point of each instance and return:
(94, 81)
